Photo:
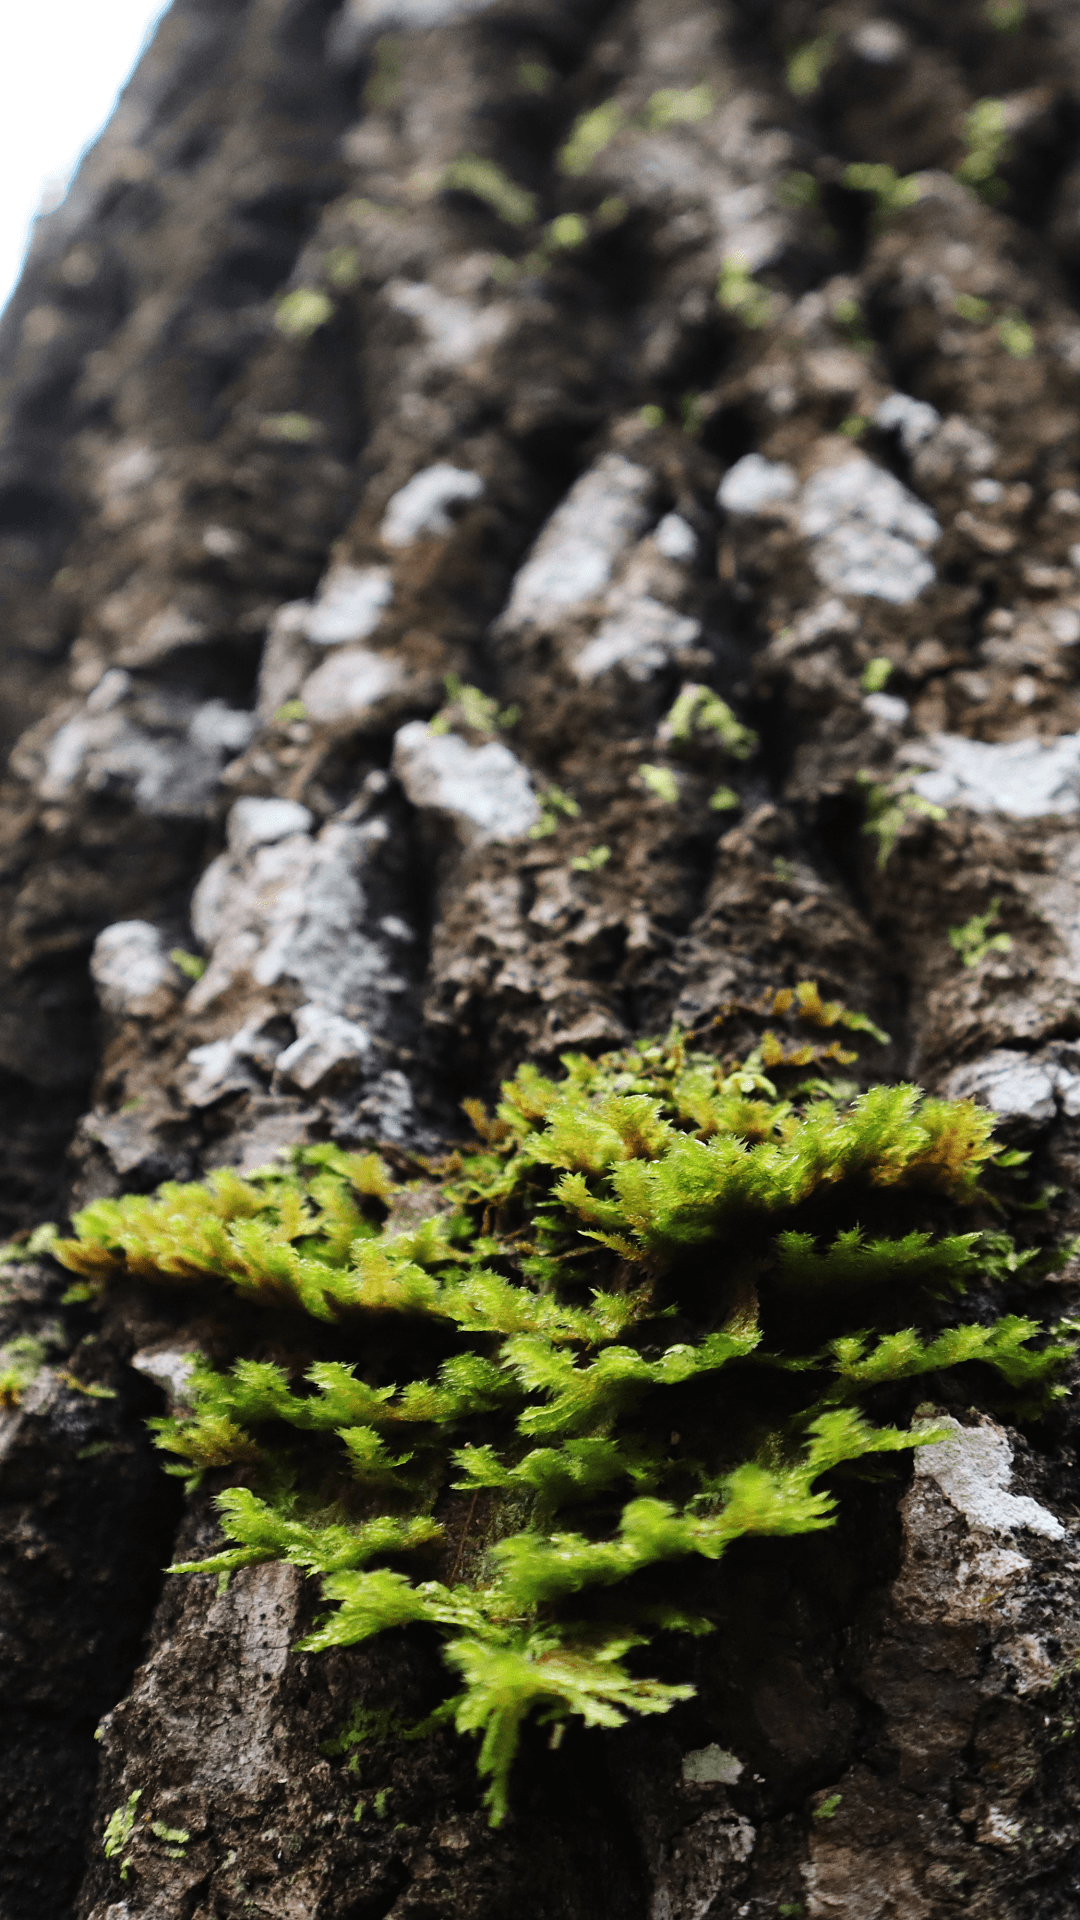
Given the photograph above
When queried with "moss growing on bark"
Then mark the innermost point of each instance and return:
(668, 1300)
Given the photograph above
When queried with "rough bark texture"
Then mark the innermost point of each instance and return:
(213, 505)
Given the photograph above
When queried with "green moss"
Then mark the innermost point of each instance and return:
(699, 711)
(890, 807)
(468, 706)
(1006, 15)
(1017, 338)
(384, 82)
(555, 806)
(738, 293)
(973, 941)
(798, 189)
(567, 230)
(487, 182)
(987, 143)
(679, 106)
(890, 190)
(535, 76)
(661, 782)
(692, 414)
(299, 428)
(876, 674)
(192, 964)
(119, 1828)
(665, 1301)
(176, 1839)
(589, 135)
(40, 1241)
(807, 65)
(301, 313)
(376, 1727)
(21, 1360)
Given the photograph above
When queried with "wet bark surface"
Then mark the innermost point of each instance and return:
(349, 365)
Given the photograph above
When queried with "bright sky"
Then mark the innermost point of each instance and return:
(62, 64)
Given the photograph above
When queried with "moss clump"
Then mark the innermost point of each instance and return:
(515, 1396)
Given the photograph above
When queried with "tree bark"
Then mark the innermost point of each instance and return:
(556, 348)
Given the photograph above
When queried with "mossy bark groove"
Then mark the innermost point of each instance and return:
(676, 404)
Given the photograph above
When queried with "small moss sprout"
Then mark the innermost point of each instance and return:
(987, 142)
(192, 965)
(535, 76)
(589, 135)
(302, 312)
(890, 807)
(592, 861)
(487, 182)
(384, 82)
(798, 189)
(299, 428)
(555, 807)
(31, 1247)
(974, 941)
(342, 268)
(661, 783)
(680, 106)
(119, 1828)
(808, 63)
(739, 294)
(692, 414)
(1016, 336)
(699, 711)
(567, 231)
(175, 1839)
(469, 707)
(596, 129)
(891, 191)
(970, 307)
(876, 674)
(828, 1808)
(21, 1360)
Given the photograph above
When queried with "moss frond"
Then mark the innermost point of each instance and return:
(661, 1298)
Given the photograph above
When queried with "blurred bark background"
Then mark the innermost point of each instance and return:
(586, 353)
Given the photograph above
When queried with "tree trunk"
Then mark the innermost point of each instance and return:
(377, 344)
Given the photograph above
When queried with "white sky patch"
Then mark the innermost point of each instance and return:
(62, 65)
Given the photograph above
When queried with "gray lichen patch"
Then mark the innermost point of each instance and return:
(868, 533)
(640, 635)
(711, 1765)
(132, 970)
(354, 688)
(349, 606)
(294, 909)
(324, 1043)
(573, 559)
(973, 1467)
(164, 752)
(421, 507)
(1013, 1084)
(1025, 779)
(483, 792)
